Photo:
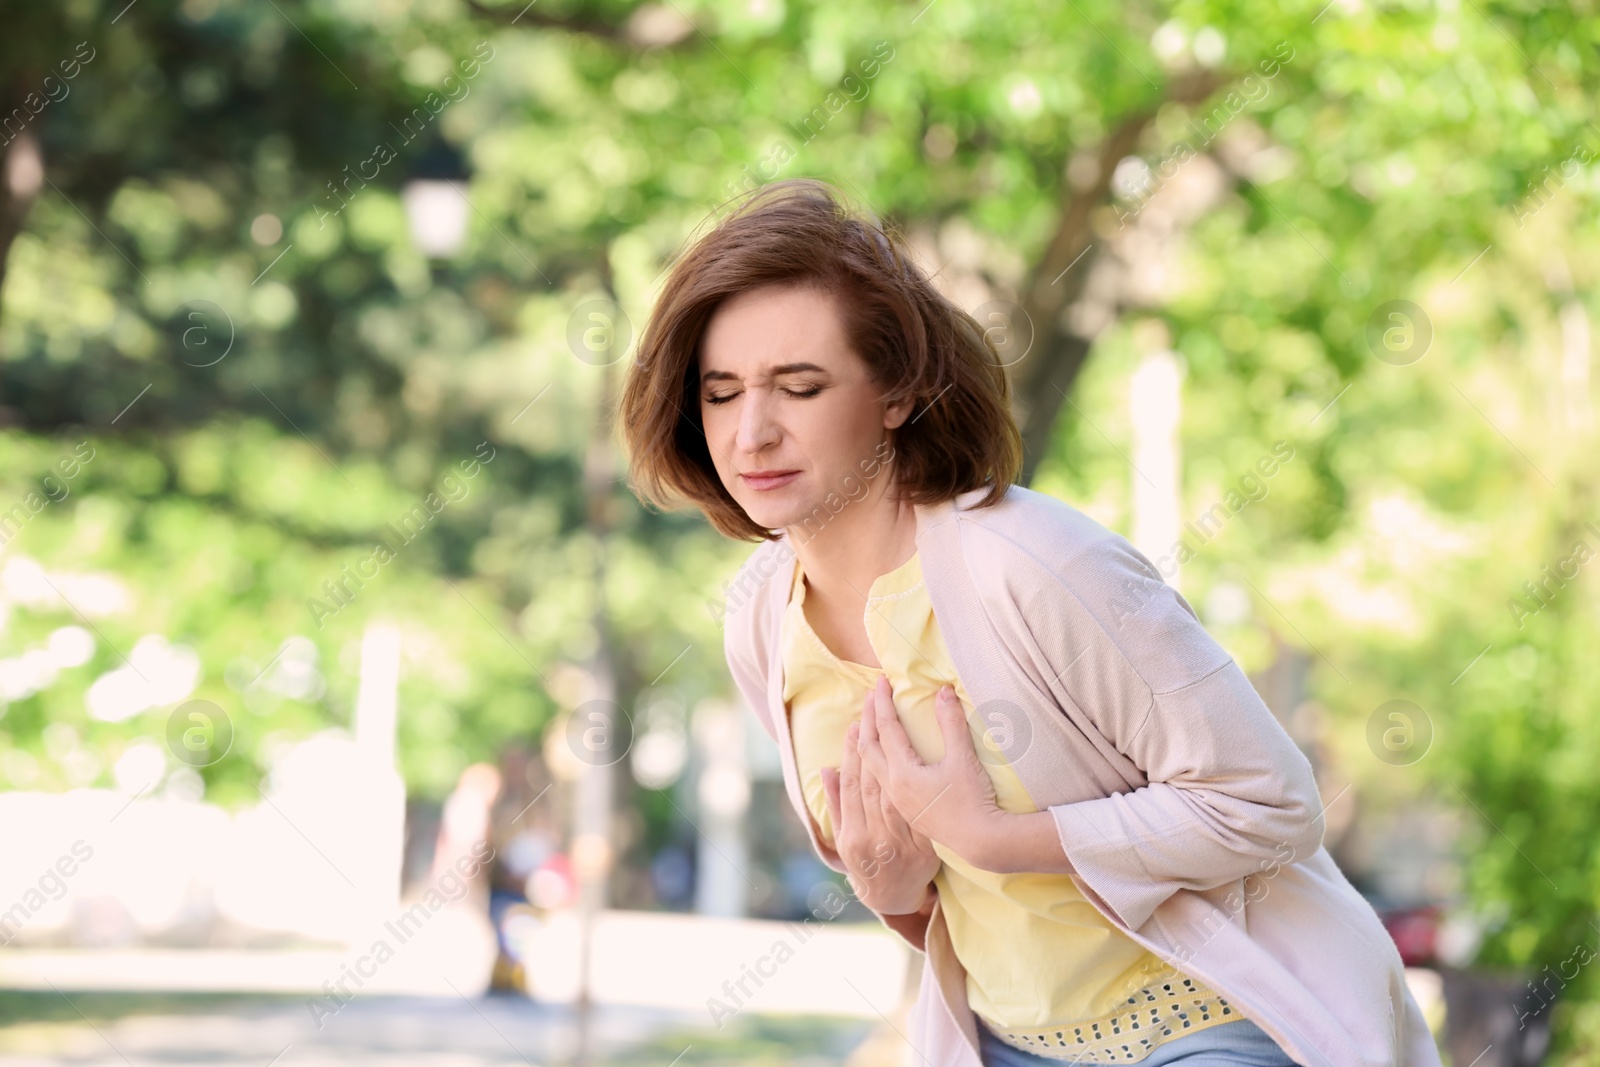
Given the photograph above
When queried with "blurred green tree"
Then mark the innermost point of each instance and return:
(209, 277)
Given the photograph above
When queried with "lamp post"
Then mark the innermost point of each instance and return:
(435, 202)
(1156, 399)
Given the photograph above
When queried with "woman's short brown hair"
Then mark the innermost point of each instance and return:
(960, 435)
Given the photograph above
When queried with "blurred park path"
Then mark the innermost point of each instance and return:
(39, 1029)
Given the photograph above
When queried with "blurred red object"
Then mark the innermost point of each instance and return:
(1415, 932)
(554, 884)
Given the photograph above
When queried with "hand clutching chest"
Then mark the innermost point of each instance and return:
(888, 805)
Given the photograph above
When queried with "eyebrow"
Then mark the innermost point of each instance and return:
(781, 369)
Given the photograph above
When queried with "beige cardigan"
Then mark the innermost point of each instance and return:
(1190, 818)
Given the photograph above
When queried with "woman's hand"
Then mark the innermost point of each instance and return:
(952, 801)
(889, 863)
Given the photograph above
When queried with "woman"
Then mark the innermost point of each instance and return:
(1020, 746)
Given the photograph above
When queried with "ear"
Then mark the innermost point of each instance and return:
(896, 414)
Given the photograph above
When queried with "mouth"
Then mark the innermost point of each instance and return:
(763, 481)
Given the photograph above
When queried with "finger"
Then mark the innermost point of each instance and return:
(890, 818)
(874, 798)
(871, 752)
(850, 754)
(871, 787)
(953, 726)
(830, 797)
(892, 737)
(850, 809)
(869, 721)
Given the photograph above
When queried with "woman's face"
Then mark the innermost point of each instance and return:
(790, 411)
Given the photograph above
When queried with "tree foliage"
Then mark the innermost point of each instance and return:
(208, 277)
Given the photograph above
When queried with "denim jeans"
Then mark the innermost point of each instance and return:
(1236, 1044)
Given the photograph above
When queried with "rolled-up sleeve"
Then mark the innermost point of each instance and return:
(1229, 794)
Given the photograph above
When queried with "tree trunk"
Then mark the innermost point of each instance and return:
(1043, 379)
(21, 175)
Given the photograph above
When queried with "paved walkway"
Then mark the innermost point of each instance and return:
(81, 1029)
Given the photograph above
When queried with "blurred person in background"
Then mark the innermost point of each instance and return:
(1019, 744)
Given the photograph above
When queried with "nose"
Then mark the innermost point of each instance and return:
(757, 428)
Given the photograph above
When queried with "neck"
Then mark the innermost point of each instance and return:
(867, 538)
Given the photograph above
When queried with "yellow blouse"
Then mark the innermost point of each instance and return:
(1045, 970)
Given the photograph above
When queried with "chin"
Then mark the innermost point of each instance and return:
(770, 514)
(773, 515)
